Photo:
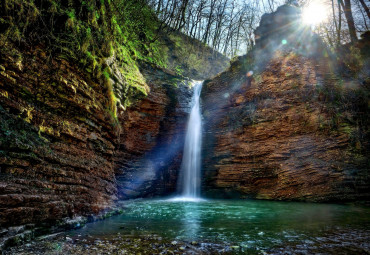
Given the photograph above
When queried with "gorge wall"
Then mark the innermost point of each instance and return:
(280, 123)
(63, 153)
(88, 113)
(57, 141)
(152, 139)
(284, 122)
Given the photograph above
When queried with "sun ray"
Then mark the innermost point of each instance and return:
(315, 13)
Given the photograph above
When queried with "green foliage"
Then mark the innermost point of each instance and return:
(16, 133)
(178, 70)
(188, 56)
(353, 60)
(92, 33)
(347, 109)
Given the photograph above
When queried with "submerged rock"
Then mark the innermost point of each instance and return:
(350, 242)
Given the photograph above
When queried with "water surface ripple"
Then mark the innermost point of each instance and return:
(262, 225)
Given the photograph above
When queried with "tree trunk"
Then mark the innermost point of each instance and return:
(159, 6)
(365, 7)
(209, 22)
(183, 14)
(351, 24)
(339, 24)
(334, 19)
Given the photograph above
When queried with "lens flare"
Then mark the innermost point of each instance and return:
(315, 13)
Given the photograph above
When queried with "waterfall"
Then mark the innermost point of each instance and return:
(190, 167)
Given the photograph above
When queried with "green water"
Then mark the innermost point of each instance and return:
(261, 224)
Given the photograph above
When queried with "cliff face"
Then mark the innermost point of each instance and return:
(292, 130)
(62, 152)
(152, 139)
(191, 57)
(80, 125)
(57, 141)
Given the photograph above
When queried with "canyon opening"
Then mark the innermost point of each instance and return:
(184, 127)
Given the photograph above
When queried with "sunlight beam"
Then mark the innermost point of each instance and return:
(315, 13)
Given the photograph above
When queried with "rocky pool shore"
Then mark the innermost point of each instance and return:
(341, 242)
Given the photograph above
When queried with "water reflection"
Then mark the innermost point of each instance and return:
(246, 223)
(192, 215)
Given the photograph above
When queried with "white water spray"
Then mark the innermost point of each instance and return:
(190, 167)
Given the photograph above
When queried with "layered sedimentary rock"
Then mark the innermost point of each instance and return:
(57, 141)
(276, 126)
(152, 139)
(64, 154)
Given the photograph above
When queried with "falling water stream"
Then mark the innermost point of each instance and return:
(189, 182)
(217, 226)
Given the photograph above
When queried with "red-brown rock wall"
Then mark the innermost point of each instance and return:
(63, 154)
(57, 141)
(152, 140)
(272, 137)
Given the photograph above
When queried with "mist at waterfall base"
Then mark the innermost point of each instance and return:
(189, 180)
(252, 226)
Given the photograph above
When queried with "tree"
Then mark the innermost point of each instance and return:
(365, 8)
(346, 5)
(228, 25)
